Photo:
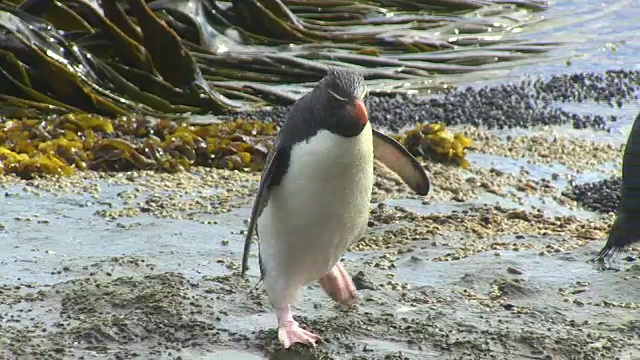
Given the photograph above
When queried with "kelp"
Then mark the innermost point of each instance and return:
(168, 58)
(60, 145)
(435, 142)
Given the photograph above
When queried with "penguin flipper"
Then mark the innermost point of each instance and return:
(398, 159)
(276, 166)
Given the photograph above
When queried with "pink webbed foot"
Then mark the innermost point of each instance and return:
(293, 333)
(289, 332)
(338, 285)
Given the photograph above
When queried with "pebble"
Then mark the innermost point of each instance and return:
(514, 271)
(362, 281)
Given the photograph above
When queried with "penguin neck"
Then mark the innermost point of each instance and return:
(331, 150)
(347, 129)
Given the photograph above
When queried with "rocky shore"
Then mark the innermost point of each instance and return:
(493, 264)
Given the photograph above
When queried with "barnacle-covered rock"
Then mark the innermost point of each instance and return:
(433, 141)
(62, 144)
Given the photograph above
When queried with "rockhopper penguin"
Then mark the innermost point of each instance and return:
(314, 194)
(626, 228)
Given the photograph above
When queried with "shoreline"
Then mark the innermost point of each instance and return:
(144, 264)
(493, 264)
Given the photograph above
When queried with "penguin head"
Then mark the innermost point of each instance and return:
(342, 95)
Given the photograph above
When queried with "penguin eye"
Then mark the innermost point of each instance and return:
(338, 97)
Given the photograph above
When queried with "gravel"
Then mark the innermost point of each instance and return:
(521, 105)
(127, 302)
(601, 196)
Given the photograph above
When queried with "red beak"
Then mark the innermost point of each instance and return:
(359, 111)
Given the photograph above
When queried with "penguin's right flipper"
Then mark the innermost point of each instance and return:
(275, 168)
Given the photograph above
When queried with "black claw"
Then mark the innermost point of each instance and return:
(605, 260)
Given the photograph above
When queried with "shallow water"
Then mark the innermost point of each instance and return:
(596, 36)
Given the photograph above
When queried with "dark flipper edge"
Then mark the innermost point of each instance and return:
(398, 159)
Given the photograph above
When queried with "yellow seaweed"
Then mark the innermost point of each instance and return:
(61, 144)
(434, 141)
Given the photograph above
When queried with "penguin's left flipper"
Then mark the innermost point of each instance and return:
(275, 168)
(399, 160)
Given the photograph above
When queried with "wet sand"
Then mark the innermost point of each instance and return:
(493, 264)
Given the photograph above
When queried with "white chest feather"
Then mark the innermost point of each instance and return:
(321, 205)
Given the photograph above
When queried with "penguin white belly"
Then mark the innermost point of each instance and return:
(318, 210)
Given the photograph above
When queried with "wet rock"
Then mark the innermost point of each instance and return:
(509, 288)
(469, 279)
(362, 281)
(514, 271)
